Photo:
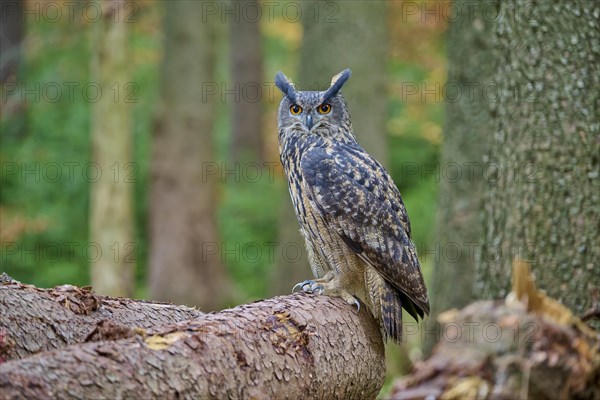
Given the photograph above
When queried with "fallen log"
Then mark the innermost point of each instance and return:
(525, 347)
(34, 320)
(298, 346)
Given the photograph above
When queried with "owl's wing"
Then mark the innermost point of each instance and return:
(358, 200)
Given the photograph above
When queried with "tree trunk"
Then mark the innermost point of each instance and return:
(330, 30)
(467, 135)
(13, 106)
(185, 261)
(542, 198)
(299, 346)
(111, 198)
(12, 30)
(246, 76)
(342, 34)
(37, 320)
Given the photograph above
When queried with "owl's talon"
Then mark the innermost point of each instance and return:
(357, 304)
(309, 286)
(301, 285)
(316, 289)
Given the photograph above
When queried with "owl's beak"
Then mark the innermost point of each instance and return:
(308, 121)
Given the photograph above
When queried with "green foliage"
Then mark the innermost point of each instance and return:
(47, 194)
(413, 164)
(48, 212)
(248, 220)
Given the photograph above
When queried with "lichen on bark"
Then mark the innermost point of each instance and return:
(542, 200)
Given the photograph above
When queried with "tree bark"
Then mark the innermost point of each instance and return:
(12, 30)
(542, 201)
(185, 261)
(330, 30)
(13, 105)
(37, 320)
(299, 346)
(246, 74)
(467, 134)
(111, 198)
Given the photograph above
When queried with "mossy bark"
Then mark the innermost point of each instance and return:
(467, 132)
(542, 195)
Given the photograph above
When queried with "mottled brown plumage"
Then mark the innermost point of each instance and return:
(350, 211)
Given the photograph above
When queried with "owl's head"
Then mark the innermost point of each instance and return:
(314, 112)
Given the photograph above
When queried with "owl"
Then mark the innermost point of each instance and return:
(350, 212)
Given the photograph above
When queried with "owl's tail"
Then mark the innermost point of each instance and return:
(386, 305)
(391, 312)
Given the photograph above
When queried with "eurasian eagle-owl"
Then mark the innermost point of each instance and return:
(350, 212)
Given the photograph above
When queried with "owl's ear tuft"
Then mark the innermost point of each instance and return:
(285, 85)
(336, 83)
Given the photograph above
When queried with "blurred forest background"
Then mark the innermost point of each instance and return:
(50, 165)
(139, 149)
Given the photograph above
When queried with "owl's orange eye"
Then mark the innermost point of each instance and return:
(324, 108)
(295, 109)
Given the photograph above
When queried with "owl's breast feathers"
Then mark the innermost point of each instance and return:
(358, 200)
